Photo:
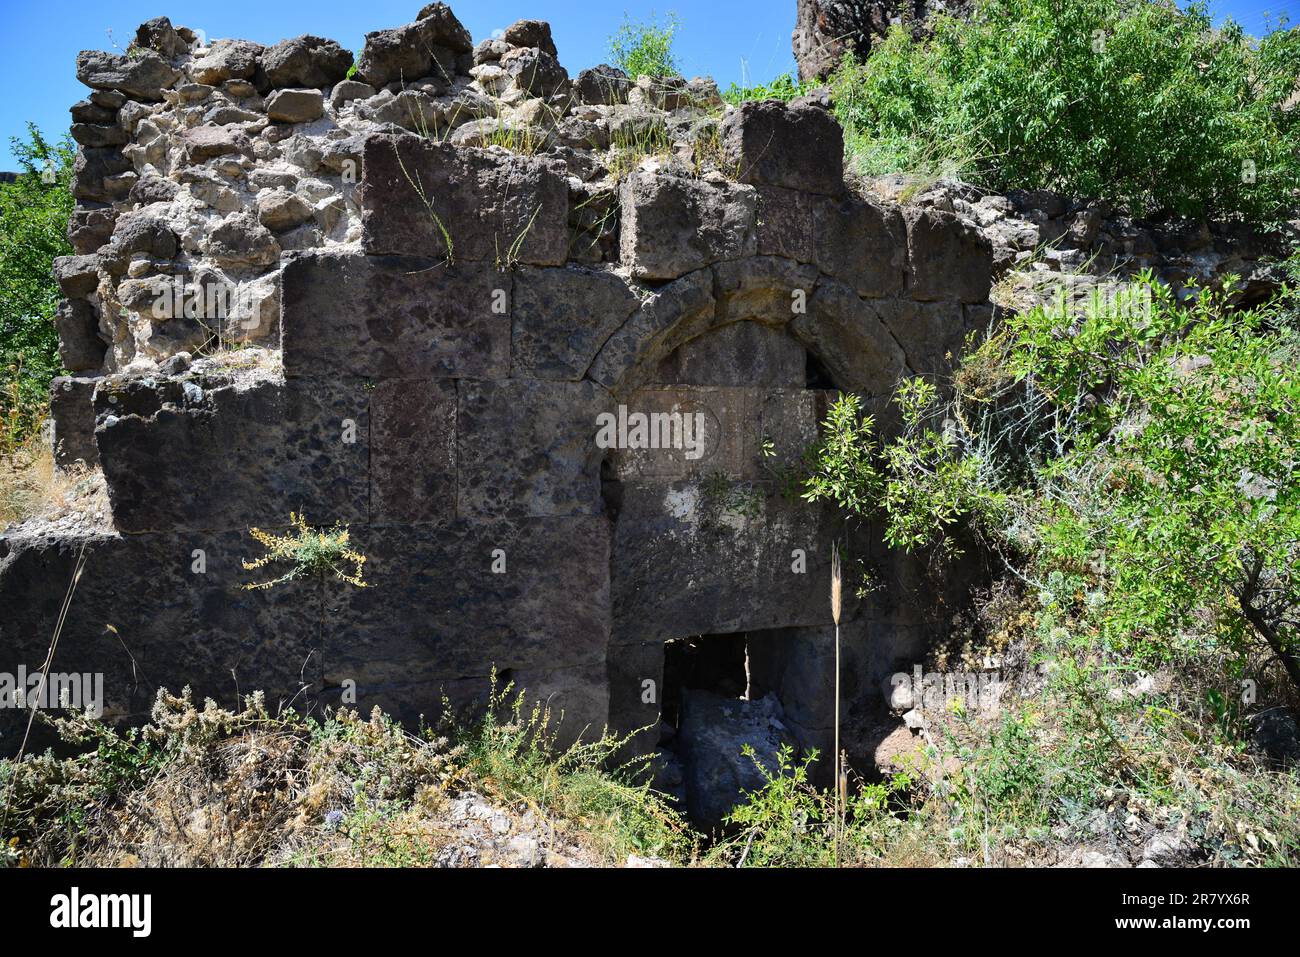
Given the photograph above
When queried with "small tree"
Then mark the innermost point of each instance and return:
(34, 211)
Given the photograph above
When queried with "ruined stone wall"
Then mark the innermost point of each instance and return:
(466, 275)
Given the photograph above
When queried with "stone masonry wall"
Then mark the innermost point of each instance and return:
(448, 271)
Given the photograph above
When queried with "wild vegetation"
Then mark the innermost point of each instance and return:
(34, 211)
(1134, 470)
(207, 786)
(645, 49)
(1146, 105)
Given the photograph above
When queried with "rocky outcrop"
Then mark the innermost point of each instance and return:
(826, 29)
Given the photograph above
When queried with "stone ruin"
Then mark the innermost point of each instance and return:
(430, 295)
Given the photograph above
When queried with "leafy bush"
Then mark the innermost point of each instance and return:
(645, 49)
(1144, 457)
(1133, 101)
(790, 823)
(34, 211)
(785, 88)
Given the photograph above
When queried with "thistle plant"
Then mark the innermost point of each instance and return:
(309, 551)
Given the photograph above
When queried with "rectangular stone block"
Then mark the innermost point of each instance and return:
(690, 559)
(562, 317)
(947, 257)
(158, 610)
(671, 225)
(462, 204)
(795, 145)
(413, 450)
(931, 334)
(393, 317)
(221, 454)
(636, 688)
(527, 447)
(683, 431)
(738, 424)
(739, 354)
(73, 414)
(529, 597)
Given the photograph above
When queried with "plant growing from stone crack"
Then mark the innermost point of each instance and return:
(720, 494)
(310, 551)
(511, 259)
(437, 221)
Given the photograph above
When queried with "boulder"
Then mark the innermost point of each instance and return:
(94, 172)
(603, 85)
(536, 72)
(77, 276)
(87, 111)
(279, 210)
(427, 199)
(295, 106)
(777, 144)
(428, 47)
(139, 233)
(91, 134)
(672, 225)
(305, 61)
(90, 226)
(227, 60)
(159, 35)
(241, 240)
(349, 90)
(530, 33)
(141, 76)
(208, 142)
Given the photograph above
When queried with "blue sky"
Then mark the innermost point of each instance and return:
(731, 40)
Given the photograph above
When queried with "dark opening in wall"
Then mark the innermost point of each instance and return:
(714, 663)
(816, 376)
(611, 490)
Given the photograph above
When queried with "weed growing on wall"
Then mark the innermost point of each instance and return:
(309, 552)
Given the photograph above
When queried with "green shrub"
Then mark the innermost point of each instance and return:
(1133, 101)
(645, 49)
(1145, 457)
(34, 213)
(788, 822)
(785, 88)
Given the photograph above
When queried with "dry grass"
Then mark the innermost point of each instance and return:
(32, 486)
